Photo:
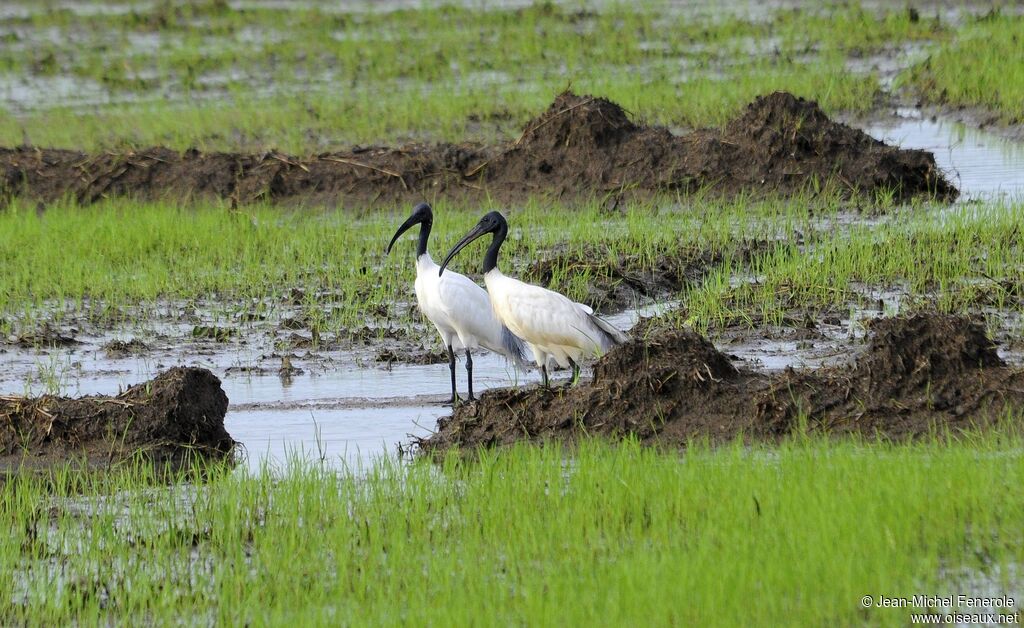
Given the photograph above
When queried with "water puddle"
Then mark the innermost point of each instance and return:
(984, 166)
(1000, 584)
(348, 438)
(889, 63)
(341, 402)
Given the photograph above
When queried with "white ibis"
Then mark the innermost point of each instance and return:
(555, 327)
(458, 308)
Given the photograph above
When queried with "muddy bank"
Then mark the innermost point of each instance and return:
(615, 282)
(916, 375)
(582, 146)
(171, 419)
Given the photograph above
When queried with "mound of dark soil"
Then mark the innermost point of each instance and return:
(582, 146)
(171, 419)
(780, 143)
(669, 359)
(923, 350)
(917, 375)
(783, 140)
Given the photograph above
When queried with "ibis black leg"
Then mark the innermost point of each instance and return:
(451, 366)
(544, 372)
(469, 372)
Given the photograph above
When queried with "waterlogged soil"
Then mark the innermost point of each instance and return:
(581, 146)
(352, 395)
(615, 282)
(918, 375)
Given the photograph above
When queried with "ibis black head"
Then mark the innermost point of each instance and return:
(492, 222)
(421, 215)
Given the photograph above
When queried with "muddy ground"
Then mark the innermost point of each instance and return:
(582, 146)
(918, 375)
(620, 281)
(176, 418)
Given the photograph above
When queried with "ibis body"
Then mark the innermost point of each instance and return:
(555, 327)
(458, 308)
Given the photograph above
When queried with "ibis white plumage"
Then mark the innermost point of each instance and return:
(555, 327)
(457, 307)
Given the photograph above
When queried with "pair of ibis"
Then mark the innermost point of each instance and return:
(510, 317)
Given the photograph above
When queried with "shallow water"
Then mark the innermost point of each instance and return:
(356, 414)
(983, 165)
(21, 92)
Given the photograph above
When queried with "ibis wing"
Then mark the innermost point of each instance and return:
(544, 317)
(459, 295)
(469, 308)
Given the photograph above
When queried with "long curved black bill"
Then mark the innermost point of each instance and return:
(408, 224)
(473, 234)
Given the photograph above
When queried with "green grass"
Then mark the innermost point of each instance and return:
(121, 253)
(959, 260)
(793, 535)
(99, 260)
(981, 67)
(323, 119)
(312, 79)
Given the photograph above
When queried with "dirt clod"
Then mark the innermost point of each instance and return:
(171, 419)
(125, 348)
(582, 146)
(45, 336)
(918, 375)
(219, 334)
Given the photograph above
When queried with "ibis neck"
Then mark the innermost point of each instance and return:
(491, 257)
(421, 245)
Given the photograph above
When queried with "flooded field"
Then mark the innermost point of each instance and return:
(221, 404)
(233, 76)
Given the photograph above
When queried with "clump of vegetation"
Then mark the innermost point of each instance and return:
(927, 259)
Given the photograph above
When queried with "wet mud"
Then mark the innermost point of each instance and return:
(917, 375)
(45, 336)
(581, 147)
(116, 349)
(173, 419)
(623, 280)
